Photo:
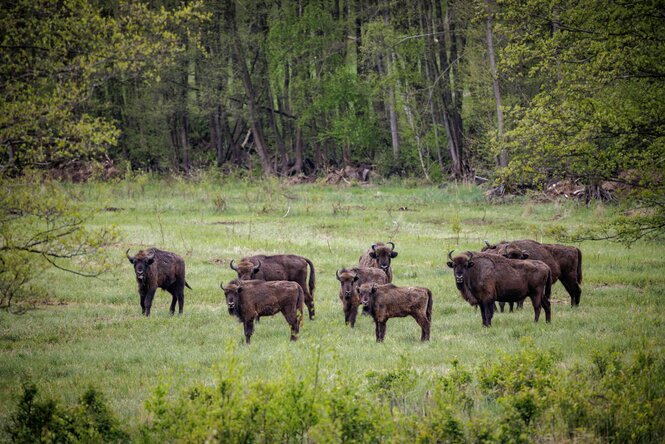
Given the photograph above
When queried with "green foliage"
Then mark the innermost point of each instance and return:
(89, 421)
(41, 226)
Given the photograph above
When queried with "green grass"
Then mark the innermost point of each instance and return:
(92, 331)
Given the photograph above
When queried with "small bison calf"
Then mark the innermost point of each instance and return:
(387, 301)
(159, 269)
(247, 300)
(350, 280)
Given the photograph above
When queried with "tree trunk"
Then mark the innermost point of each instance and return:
(502, 159)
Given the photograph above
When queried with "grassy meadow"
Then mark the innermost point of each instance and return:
(91, 332)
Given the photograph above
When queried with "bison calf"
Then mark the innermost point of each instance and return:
(350, 280)
(482, 279)
(280, 267)
(387, 301)
(247, 300)
(159, 269)
(379, 256)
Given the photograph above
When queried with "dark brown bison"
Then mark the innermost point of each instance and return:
(483, 279)
(379, 255)
(247, 300)
(387, 301)
(280, 267)
(564, 261)
(159, 269)
(350, 280)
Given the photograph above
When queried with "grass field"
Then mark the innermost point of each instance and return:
(91, 331)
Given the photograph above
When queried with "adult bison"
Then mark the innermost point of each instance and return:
(387, 301)
(564, 261)
(280, 267)
(379, 255)
(350, 280)
(159, 269)
(247, 300)
(484, 278)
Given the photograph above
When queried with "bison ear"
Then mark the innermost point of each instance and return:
(374, 288)
(525, 255)
(151, 260)
(450, 264)
(469, 264)
(131, 260)
(372, 255)
(239, 290)
(355, 278)
(393, 254)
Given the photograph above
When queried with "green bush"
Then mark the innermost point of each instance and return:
(89, 421)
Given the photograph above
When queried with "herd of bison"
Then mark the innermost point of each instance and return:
(266, 285)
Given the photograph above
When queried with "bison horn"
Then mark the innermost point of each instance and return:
(373, 247)
(488, 243)
(256, 268)
(232, 267)
(390, 243)
(450, 254)
(127, 254)
(337, 274)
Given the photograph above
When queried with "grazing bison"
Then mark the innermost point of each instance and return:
(564, 261)
(159, 269)
(247, 300)
(387, 301)
(483, 279)
(280, 267)
(350, 280)
(379, 256)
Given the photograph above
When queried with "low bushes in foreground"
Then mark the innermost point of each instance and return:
(524, 397)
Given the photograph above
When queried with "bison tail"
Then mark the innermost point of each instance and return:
(579, 266)
(428, 312)
(312, 277)
(300, 304)
(187, 285)
(548, 285)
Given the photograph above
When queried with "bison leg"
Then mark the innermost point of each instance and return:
(487, 311)
(424, 327)
(573, 289)
(291, 316)
(537, 300)
(548, 310)
(309, 301)
(502, 305)
(249, 329)
(353, 314)
(148, 301)
(174, 298)
(142, 300)
(381, 331)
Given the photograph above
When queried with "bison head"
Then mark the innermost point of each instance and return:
(347, 279)
(232, 293)
(141, 263)
(459, 264)
(383, 254)
(367, 292)
(246, 269)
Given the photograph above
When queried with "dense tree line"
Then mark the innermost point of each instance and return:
(526, 91)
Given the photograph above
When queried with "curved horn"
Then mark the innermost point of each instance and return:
(256, 268)
(488, 243)
(373, 247)
(450, 254)
(232, 267)
(390, 243)
(127, 254)
(470, 255)
(337, 274)
(221, 285)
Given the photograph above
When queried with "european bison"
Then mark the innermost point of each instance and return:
(247, 300)
(564, 261)
(483, 279)
(280, 267)
(379, 256)
(159, 269)
(350, 280)
(387, 301)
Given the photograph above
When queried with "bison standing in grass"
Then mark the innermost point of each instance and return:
(247, 300)
(564, 261)
(350, 280)
(280, 267)
(379, 255)
(387, 301)
(159, 269)
(483, 279)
